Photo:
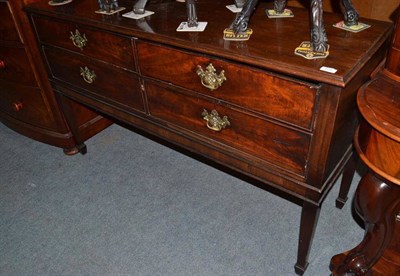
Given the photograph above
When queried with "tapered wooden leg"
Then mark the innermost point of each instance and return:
(377, 203)
(73, 125)
(308, 223)
(347, 178)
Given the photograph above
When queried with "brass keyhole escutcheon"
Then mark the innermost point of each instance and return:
(209, 78)
(88, 76)
(78, 40)
(214, 121)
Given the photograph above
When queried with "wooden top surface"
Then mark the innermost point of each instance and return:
(379, 103)
(270, 47)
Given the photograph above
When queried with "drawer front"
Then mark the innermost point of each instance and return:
(102, 45)
(276, 97)
(25, 104)
(15, 66)
(271, 142)
(111, 84)
(8, 29)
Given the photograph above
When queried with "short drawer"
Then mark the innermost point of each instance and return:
(8, 28)
(102, 45)
(274, 143)
(25, 104)
(15, 66)
(277, 97)
(102, 80)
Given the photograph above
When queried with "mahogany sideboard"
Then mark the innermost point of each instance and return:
(27, 102)
(271, 115)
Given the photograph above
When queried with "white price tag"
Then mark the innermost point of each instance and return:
(328, 69)
(183, 27)
(233, 8)
(137, 16)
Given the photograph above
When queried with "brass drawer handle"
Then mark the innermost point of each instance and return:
(78, 39)
(215, 122)
(17, 106)
(2, 64)
(209, 77)
(88, 76)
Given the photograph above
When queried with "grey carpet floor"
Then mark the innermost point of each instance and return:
(132, 206)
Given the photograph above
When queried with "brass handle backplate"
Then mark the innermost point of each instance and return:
(209, 78)
(214, 121)
(78, 39)
(88, 76)
(17, 106)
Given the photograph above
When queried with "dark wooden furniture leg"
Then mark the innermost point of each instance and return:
(74, 126)
(377, 198)
(291, 133)
(308, 223)
(377, 203)
(347, 178)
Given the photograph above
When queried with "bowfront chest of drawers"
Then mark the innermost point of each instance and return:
(252, 106)
(27, 102)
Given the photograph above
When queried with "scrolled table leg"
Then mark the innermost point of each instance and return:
(377, 203)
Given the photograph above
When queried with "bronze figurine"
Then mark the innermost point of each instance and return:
(240, 3)
(139, 8)
(319, 41)
(108, 5)
(191, 13)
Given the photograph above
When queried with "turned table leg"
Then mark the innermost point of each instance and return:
(377, 202)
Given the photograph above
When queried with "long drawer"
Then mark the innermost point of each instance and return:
(277, 97)
(15, 66)
(102, 80)
(282, 146)
(112, 48)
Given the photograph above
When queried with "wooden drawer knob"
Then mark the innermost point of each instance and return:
(214, 121)
(17, 106)
(2, 64)
(209, 78)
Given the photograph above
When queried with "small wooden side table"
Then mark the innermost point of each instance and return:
(377, 198)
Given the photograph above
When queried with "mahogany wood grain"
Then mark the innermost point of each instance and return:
(377, 202)
(30, 98)
(272, 45)
(377, 198)
(8, 27)
(109, 47)
(27, 102)
(393, 59)
(292, 124)
(124, 89)
(16, 66)
(276, 144)
(245, 86)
